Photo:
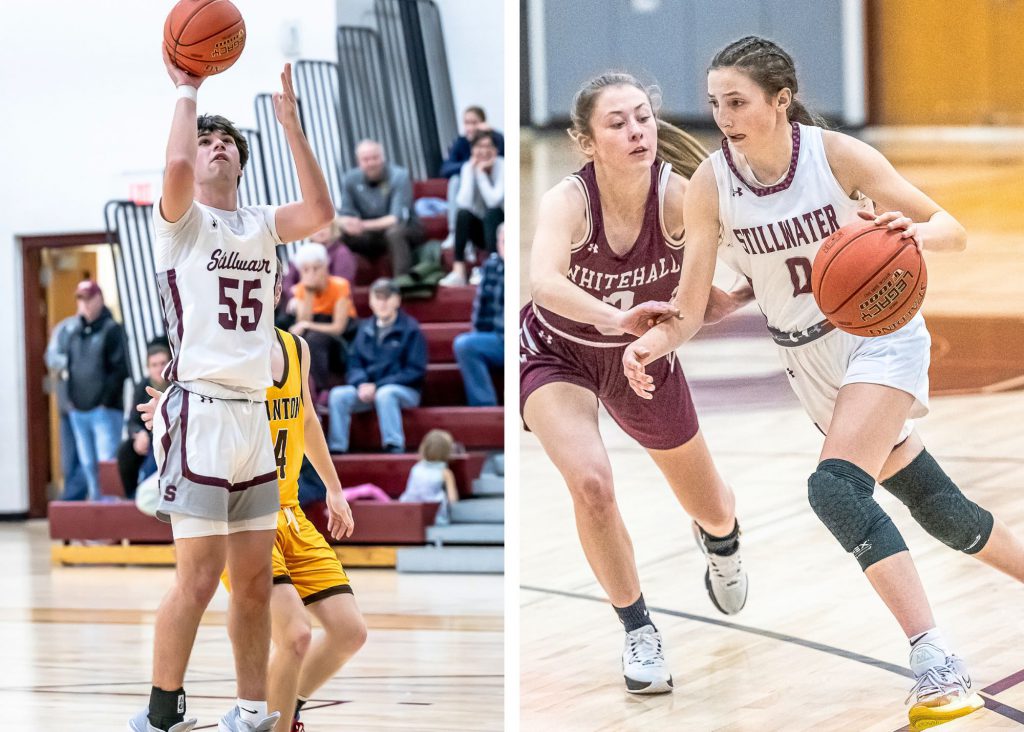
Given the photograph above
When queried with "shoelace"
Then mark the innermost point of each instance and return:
(645, 648)
(727, 568)
(936, 681)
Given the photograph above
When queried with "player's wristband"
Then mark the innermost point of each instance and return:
(188, 92)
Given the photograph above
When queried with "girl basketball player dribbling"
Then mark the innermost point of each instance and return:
(778, 169)
(605, 255)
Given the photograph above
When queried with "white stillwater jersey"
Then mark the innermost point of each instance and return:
(215, 270)
(771, 234)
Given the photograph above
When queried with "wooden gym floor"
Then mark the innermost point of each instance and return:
(814, 649)
(76, 648)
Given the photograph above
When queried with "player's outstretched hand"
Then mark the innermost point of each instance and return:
(896, 221)
(634, 360)
(285, 106)
(149, 408)
(179, 76)
(641, 318)
(340, 523)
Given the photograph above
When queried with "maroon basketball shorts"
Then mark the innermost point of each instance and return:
(662, 423)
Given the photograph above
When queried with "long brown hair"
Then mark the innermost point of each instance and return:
(676, 147)
(770, 68)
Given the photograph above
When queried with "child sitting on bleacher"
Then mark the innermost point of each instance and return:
(431, 480)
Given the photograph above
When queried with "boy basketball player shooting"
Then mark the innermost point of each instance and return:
(307, 572)
(779, 172)
(215, 264)
(605, 260)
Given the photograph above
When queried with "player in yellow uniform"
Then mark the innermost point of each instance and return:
(307, 572)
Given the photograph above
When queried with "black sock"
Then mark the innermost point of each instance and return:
(166, 708)
(635, 616)
(298, 707)
(723, 546)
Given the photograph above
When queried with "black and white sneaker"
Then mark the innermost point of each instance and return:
(643, 663)
(725, 578)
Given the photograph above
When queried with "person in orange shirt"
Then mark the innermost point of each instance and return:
(323, 309)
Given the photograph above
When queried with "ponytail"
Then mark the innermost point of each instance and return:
(797, 112)
(679, 149)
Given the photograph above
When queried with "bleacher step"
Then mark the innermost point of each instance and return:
(479, 511)
(489, 484)
(495, 464)
(452, 559)
(466, 534)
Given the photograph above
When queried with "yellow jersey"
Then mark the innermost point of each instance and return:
(285, 412)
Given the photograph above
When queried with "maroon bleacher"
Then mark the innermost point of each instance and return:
(440, 337)
(390, 472)
(448, 305)
(435, 227)
(478, 428)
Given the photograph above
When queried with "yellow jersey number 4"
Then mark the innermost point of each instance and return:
(281, 452)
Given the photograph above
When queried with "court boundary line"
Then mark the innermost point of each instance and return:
(991, 704)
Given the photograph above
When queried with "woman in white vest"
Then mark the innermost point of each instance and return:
(764, 202)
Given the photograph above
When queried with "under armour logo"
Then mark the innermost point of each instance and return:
(215, 223)
(546, 337)
(791, 374)
(737, 191)
(592, 248)
(205, 399)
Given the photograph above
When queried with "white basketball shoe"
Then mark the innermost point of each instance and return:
(232, 722)
(943, 690)
(140, 723)
(725, 578)
(643, 663)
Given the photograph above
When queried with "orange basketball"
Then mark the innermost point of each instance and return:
(867, 280)
(204, 37)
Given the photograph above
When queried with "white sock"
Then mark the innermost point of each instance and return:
(933, 636)
(252, 712)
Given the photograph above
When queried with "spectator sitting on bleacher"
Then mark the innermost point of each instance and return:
(480, 202)
(483, 348)
(324, 311)
(97, 368)
(135, 461)
(75, 487)
(341, 262)
(377, 215)
(474, 120)
(386, 367)
(431, 480)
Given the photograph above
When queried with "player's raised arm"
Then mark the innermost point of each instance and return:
(179, 172)
(298, 220)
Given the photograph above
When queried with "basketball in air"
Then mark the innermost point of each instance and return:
(204, 37)
(867, 280)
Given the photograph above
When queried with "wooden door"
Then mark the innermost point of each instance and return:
(932, 62)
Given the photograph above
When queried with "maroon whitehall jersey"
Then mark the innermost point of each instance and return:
(648, 271)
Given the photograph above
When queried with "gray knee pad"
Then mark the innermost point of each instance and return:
(841, 495)
(938, 505)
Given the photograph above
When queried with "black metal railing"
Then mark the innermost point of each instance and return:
(417, 66)
(317, 88)
(367, 110)
(130, 232)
